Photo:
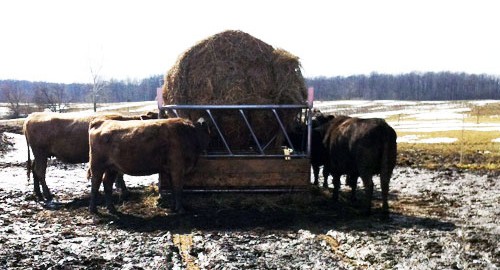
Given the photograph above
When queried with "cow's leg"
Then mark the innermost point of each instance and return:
(39, 171)
(384, 184)
(164, 185)
(316, 174)
(368, 184)
(36, 182)
(94, 189)
(107, 181)
(352, 182)
(326, 173)
(336, 187)
(176, 176)
(120, 183)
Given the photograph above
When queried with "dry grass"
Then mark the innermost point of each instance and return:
(473, 150)
(488, 113)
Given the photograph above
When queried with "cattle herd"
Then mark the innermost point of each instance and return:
(64, 136)
(116, 144)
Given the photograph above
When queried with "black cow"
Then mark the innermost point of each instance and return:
(319, 154)
(359, 148)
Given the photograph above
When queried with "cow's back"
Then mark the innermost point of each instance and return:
(62, 136)
(337, 140)
(374, 145)
(142, 147)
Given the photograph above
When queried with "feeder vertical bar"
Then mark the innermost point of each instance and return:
(310, 105)
(251, 132)
(218, 131)
(283, 129)
(309, 131)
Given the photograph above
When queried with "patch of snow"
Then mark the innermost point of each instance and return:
(21, 153)
(438, 140)
(396, 102)
(408, 139)
(442, 114)
(430, 126)
(134, 105)
(342, 102)
(416, 139)
(153, 107)
(376, 114)
(497, 140)
(4, 111)
(483, 102)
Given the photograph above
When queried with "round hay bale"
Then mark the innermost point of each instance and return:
(233, 67)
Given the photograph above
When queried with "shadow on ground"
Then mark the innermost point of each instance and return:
(310, 210)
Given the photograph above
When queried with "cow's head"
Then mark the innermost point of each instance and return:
(319, 119)
(202, 133)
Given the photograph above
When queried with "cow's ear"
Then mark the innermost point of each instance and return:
(201, 121)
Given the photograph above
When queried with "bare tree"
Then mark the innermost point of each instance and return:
(51, 97)
(97, 85)
(14, 95)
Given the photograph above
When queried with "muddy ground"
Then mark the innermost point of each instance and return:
(445, 219)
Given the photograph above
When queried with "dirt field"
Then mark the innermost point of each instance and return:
(444, 219)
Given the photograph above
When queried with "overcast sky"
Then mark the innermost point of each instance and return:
(59, 41)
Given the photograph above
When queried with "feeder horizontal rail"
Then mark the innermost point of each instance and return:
(237, 107)
(293, 156)
(248, 190)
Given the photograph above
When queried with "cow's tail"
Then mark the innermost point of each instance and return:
(389, 150)
(28, 163)
(388, 162)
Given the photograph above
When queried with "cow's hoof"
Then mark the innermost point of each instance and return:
(47, 195)
(124, 195)
(93, 210)
(53, 205)
(163, 202)
(180, 211)
(112, 210)
(385, 216)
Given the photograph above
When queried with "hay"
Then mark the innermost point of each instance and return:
(233, 67)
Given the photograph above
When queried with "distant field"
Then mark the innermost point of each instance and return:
(123, 107)
(463, 134)
(436, 134)
(423, 116)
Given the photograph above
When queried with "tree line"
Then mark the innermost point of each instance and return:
(411, 86)
(23, 97)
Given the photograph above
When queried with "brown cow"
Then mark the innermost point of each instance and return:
(360, 147)
(64, 136)
(170, 147)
